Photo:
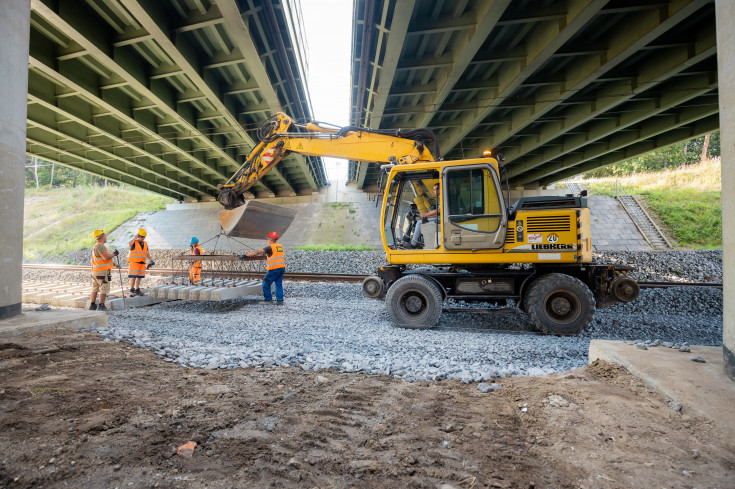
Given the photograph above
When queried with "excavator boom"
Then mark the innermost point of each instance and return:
(279, 137)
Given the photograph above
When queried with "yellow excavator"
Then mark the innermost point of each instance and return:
(478, 249)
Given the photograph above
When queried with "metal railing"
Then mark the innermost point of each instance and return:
(574, 187)
(642, 220)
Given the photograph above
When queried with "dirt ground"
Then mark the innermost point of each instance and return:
(77, 411)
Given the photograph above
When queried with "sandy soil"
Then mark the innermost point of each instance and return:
(76, 411)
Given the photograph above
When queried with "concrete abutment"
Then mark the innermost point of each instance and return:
(15, 24)
(725, 10)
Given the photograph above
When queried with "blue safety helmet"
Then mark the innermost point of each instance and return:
(193, 240)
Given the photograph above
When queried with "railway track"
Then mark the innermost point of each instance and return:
(321, 277)
(295, 276)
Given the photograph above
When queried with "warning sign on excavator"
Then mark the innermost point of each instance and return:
(267, 156)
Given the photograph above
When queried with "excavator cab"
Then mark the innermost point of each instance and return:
(471, 210)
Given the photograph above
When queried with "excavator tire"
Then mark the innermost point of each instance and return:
(414, 302)
(559, 304)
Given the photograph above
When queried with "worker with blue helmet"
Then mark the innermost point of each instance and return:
(195, 269)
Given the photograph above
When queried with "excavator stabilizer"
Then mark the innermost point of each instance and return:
(256, 219)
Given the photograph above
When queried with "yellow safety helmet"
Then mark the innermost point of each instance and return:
(98, 233)
(141, 232)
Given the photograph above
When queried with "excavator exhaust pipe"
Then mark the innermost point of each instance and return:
(256, 219)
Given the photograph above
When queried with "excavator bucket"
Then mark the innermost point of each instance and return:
(256, 219)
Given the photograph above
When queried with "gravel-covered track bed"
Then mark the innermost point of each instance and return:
(332, 326)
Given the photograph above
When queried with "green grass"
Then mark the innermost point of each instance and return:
(693, 218)
(61, 220)
(336, 247)
(686, 201)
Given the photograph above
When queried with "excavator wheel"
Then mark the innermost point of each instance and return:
(414, 302)
(559, 304)
(373, 288)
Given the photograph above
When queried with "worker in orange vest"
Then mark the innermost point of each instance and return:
(195, 269)
(275, 265)
(136, 261)
(101, 275)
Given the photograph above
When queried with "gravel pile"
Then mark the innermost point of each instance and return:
(665, 266)
(332, 326)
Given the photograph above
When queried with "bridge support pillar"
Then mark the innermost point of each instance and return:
(15, 25)
(725, 11)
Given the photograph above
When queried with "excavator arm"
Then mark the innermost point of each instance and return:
(278, 137)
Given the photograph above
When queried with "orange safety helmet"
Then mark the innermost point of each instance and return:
(273, 235)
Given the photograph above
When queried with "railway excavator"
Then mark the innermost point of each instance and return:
(479, 254)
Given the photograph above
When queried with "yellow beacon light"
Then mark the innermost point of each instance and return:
(487, 153)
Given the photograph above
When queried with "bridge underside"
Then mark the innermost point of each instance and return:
(558, 87)
(166, 95)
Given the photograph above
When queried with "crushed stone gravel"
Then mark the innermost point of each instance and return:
(333, 326)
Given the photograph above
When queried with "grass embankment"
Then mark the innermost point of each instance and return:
(60, 220)
(687, 201)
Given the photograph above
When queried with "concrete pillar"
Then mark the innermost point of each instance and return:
(15, 25)
(725, 11)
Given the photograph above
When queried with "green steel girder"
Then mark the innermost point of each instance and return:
(62, 157)
(127, 67)
(154, 94)
(672, 95)
(74, 111)
(177, 47)
(548, 38)
(115, 105)
(648, 129)
(488, 15)
(671, 61)
(542, 81)
(80, 143)
(699, 128)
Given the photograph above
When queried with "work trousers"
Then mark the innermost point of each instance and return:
(273, 276)
(417, 230)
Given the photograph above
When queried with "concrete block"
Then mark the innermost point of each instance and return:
(173, 292)
(223, 293)
(191, 294)
(160, 291)
(33, 321)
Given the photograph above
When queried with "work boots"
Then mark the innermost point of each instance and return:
(102, 307)
(137, 291)
(92, 306)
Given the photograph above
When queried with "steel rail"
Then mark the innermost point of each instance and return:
(322, 277)
(295, 276)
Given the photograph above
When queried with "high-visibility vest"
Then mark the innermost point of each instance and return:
(100, 264)
(277, 258)
(138, 252)
(201, 252)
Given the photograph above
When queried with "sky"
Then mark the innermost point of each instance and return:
(328, 28)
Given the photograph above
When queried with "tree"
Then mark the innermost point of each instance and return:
(678, 154)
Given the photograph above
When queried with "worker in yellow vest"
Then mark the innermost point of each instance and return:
(195, 269)
(275, 265)
(101, 275)
(136, 261)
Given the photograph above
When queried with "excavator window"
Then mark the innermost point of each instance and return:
(390, 214)
(472, 201)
